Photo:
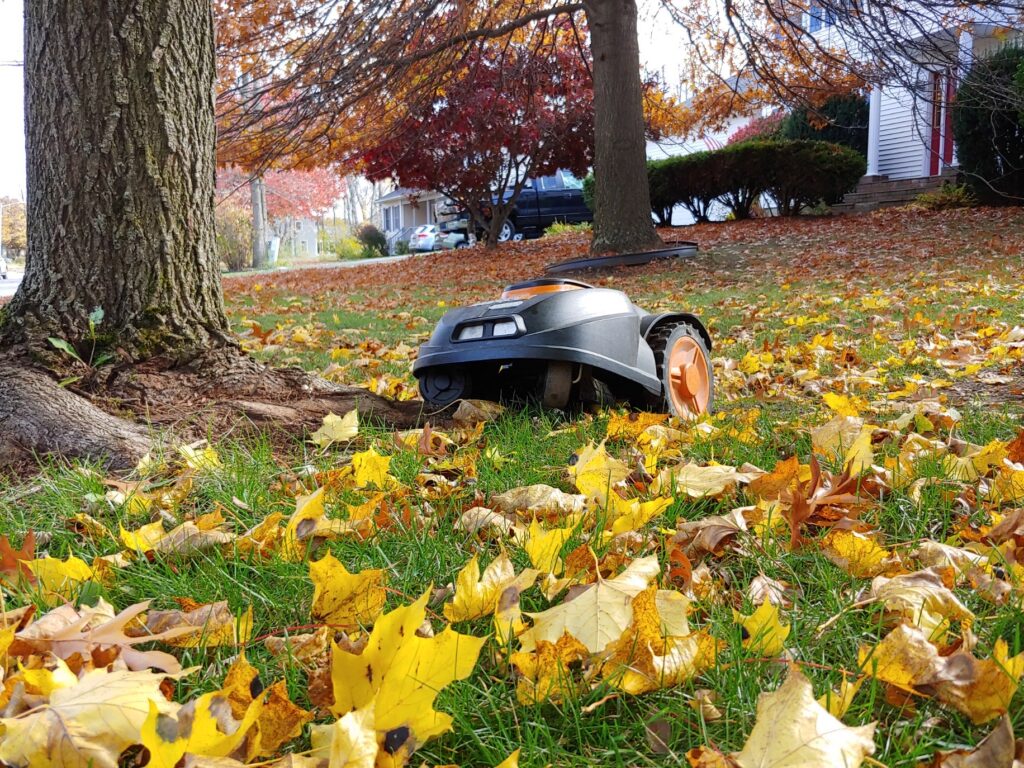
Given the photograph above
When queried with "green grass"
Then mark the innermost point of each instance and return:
(746, 303)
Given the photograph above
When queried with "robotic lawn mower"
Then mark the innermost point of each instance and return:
(565, 342)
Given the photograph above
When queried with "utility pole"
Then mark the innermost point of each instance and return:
(258, 195)
(257, 190)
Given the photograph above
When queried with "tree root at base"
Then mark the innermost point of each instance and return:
(214, 392)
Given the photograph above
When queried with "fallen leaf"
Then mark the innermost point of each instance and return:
(346, 600)
(792, 729)
(87, 725)
(764, 632)
(598, 615)
(402, 673)
(337, 429)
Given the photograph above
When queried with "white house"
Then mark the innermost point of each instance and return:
(910, 132)
(404, 208)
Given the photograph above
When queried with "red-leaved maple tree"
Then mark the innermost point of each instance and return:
(512, 112)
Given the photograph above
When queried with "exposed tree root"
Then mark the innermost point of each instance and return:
(39, 417)
(211, 393)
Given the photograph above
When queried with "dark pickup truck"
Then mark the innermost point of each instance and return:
(543, 201)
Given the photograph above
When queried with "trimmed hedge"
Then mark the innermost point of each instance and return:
(795, 174)
(988, 125)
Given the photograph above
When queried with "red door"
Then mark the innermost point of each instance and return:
(940, 149)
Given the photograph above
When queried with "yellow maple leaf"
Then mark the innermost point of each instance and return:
(837, 702)
(646, 657)
(633, 515)
(857, 554)
(301, 525)
(195, 729)
(199, 458)
(765, 632)
(371, 469)
(477, 596)
(792, 729)
(629, 425)
(922, 599)
(278, 719)
(544, 674)
(337, 429)
(844, 405)
(401, 673)
(59, 580)
(595, 473)
(598, 615)
(545, 547)
(346, 600)
(353, 740)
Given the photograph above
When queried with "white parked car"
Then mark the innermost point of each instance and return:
(426, 237)
(3, 268)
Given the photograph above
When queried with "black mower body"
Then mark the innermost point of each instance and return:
(492, 347)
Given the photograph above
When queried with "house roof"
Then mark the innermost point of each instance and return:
(404, 193)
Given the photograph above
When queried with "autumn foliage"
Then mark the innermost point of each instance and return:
(509, 113)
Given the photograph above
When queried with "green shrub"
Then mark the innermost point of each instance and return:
(745, 171)
(840, 120)
(693, 181)
(234, 236)
(803, 174)
(588, 191)
(988, 126)
(562, 228)
(373, 240)
(348, 249)
(946, 197)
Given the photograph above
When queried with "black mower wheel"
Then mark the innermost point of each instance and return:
(683, 364)
(440, 388)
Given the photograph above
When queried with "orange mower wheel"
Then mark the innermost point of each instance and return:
(684, 366)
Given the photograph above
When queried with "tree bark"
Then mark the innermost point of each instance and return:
(37, 416)
(622, 198)
(120, 151)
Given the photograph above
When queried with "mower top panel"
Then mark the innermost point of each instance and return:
(598, 327)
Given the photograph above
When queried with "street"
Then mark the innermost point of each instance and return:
(10, 285)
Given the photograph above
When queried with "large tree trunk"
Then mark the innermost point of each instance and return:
(120, 148)
(622, 199)
(120, 129)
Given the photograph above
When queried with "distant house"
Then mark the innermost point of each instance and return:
(404, 209)
(910, 129)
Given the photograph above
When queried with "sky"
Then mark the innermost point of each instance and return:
(659, 51)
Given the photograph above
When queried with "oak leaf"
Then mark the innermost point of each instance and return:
(66, 631)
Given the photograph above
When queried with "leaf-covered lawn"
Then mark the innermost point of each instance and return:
(854, 505)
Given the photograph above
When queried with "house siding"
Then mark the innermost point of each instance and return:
(901, 148)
